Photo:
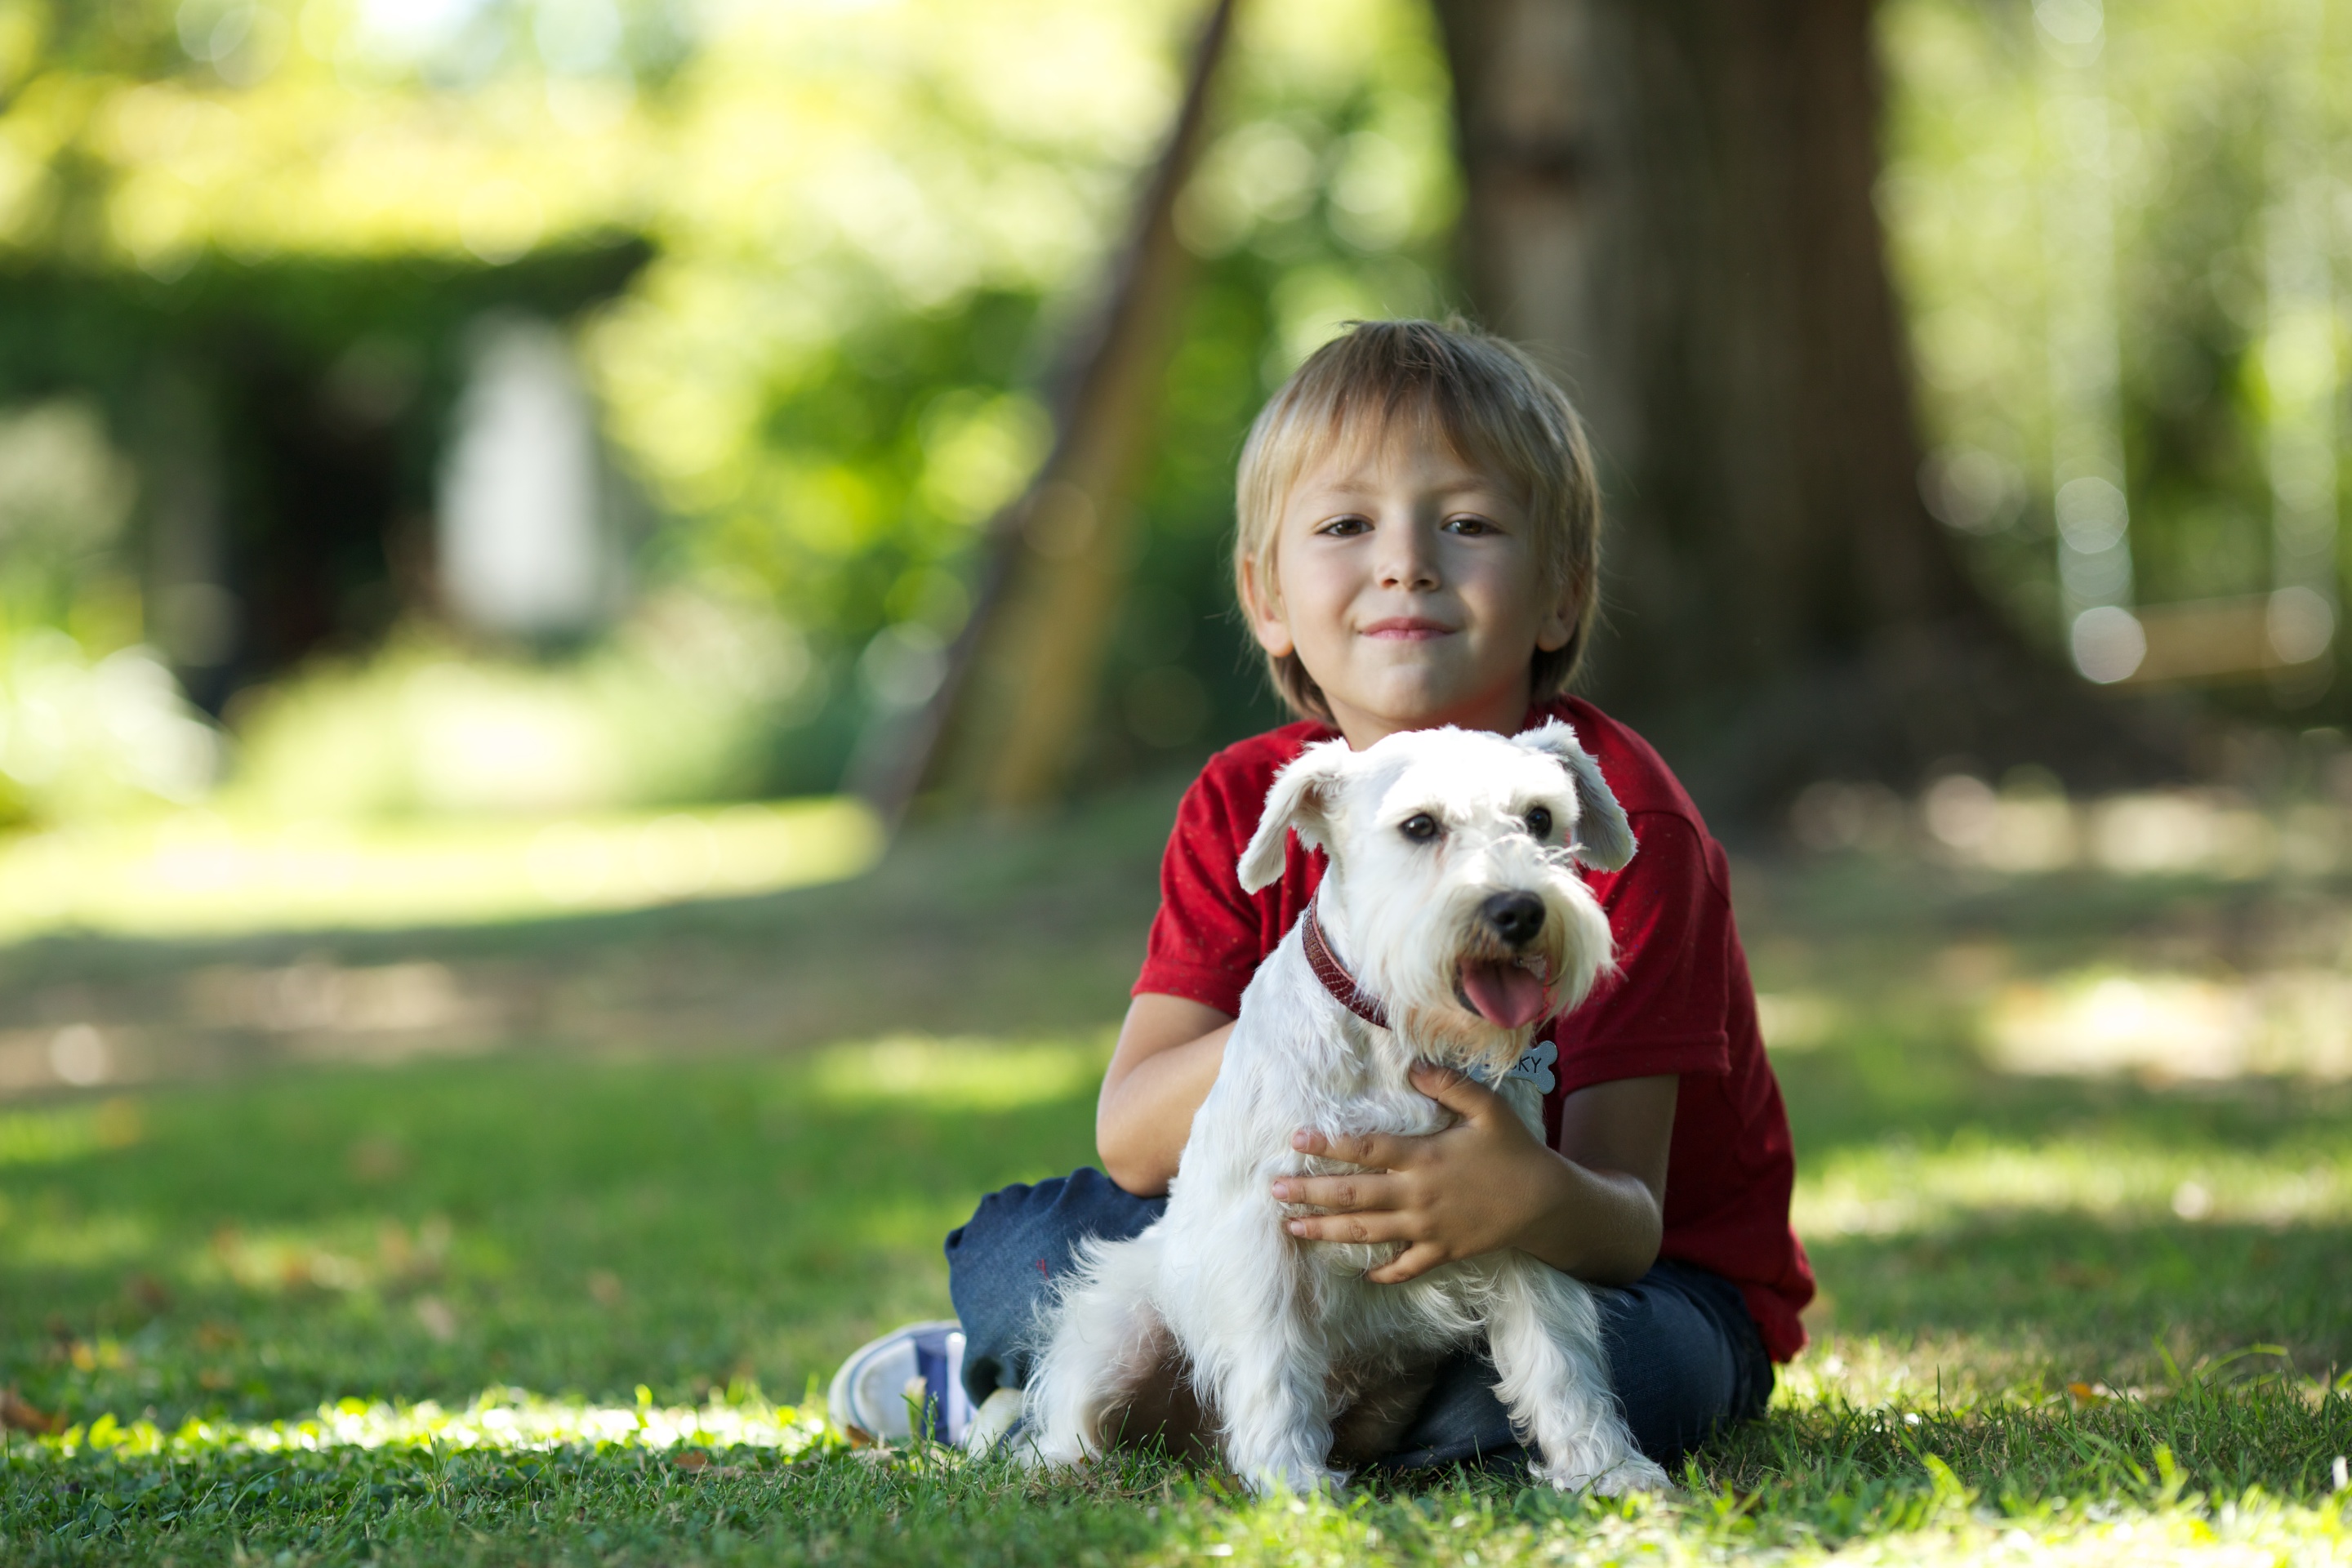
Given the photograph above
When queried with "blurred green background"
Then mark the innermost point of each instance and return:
(802, 266)
(768, 293)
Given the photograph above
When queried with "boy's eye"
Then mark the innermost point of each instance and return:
(1345, 527)
(1421, 827)
(1539, 822)
(1471, 525)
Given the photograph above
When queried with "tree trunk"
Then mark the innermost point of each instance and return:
(1671, 203)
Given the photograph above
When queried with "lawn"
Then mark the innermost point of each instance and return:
(535, 1251)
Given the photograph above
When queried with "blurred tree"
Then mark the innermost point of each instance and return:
(1673, 204)
(1003, 730)
(2207, 148)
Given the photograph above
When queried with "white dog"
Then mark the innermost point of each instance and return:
(1449, 924)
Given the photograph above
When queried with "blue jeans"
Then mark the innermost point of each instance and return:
(1684, 1355)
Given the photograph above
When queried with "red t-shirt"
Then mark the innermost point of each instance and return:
(1681, 1002)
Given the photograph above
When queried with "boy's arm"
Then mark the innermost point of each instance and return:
(1596, 1208)
(1167, 1054)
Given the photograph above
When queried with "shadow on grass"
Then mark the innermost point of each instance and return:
(1918, 1077)
(967, 930)
(2095, 1299)
(429, 1230)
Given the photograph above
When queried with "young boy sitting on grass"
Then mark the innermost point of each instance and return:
(1418, 545)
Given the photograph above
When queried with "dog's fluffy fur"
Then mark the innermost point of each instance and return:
(1284, 1344)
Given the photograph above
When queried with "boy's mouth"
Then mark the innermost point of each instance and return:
(1507, 993)
(1406, 628)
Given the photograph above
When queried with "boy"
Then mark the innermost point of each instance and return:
(1418, 545)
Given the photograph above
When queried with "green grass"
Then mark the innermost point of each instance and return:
(560, 1302)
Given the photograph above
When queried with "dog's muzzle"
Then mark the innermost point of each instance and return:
(1508, 986)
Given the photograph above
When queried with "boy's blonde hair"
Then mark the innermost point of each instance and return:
(1492, 406)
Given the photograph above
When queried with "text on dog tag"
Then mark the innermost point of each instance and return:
(1535, 1066)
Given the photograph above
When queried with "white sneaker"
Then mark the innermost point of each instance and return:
(885, 1381)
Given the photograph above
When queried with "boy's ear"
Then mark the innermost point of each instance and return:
(1299, 802)
(1559, 624)
(1261, 606)
(1604, 840)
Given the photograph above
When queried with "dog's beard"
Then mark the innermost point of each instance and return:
(1465, 998)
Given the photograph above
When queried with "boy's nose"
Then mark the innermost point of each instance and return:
(1408, 562)
(1515, 917)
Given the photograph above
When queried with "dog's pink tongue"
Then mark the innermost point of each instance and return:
(1503, 993)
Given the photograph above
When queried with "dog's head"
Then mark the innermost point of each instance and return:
(1453, 890)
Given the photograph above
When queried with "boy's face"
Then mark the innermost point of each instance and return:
(1406, 583)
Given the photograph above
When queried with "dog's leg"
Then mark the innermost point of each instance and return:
(1545, 1334)
(1106, 1340)
(1245, 1312)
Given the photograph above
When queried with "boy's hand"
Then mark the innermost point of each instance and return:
(1482, 1184)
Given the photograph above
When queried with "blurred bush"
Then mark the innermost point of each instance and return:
(88, 724)
(82, 738)
(684, 702)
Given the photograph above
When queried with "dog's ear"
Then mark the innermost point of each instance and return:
(1300, 802)
(1604, 840)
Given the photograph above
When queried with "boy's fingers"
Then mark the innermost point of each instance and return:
(1339, 1193)
(1457, 1091)
(1377, 1151)
(1410, 1264)
(1363, 1227)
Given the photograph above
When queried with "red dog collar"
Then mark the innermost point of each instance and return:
(1334, 974)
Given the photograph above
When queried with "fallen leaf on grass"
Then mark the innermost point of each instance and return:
(2082, 1276)
(377, 1159)
(148, 1292)
(15, 1413)
(692, 1460)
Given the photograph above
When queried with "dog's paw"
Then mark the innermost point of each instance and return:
(1631, 1473)
(1299, 1481)
(1607, 1479)
(1033, 1450)
(998, 1416)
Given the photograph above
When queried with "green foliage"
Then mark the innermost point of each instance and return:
(869, 230)
(2213, 118)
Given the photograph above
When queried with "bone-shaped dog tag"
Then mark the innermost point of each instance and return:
(1535, 1066)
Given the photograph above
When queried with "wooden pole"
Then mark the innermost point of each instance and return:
(1001, 733)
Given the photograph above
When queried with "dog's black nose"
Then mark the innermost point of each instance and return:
(1515, 917)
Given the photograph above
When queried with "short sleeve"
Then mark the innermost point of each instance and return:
(1666, 1010)
(1205, 941)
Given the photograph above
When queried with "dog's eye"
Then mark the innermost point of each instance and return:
(1421, 827)
(1539, 822)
